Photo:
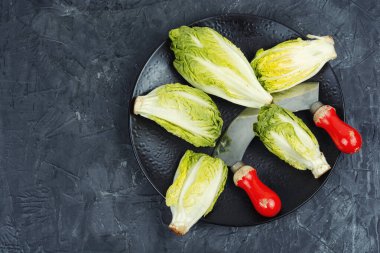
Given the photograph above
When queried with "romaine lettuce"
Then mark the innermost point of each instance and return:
(210, 62)
(184, 111)
(292, 62)
(197, 184)
(287, 136)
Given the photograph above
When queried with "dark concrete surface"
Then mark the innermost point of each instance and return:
(68, 179)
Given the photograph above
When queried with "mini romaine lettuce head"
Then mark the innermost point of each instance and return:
(184, 111)
(197, 184)
(287, 136)
(210, 62)
(292, 62)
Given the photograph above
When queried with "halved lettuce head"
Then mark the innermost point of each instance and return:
(197, 184)
(212, 63)
(292, 62)
(287, 136)
(184, 111)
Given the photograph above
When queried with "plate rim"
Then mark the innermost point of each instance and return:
(131, 115)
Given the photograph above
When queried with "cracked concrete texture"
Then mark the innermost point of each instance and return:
(68, 178)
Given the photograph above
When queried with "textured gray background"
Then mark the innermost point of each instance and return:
(68, 178)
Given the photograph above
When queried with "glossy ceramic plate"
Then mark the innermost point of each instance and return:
(158, 152)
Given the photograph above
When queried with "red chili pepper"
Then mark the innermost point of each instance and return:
(266, 201)
(346, 138)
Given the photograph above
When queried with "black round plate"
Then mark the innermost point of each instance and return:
(158, 152)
